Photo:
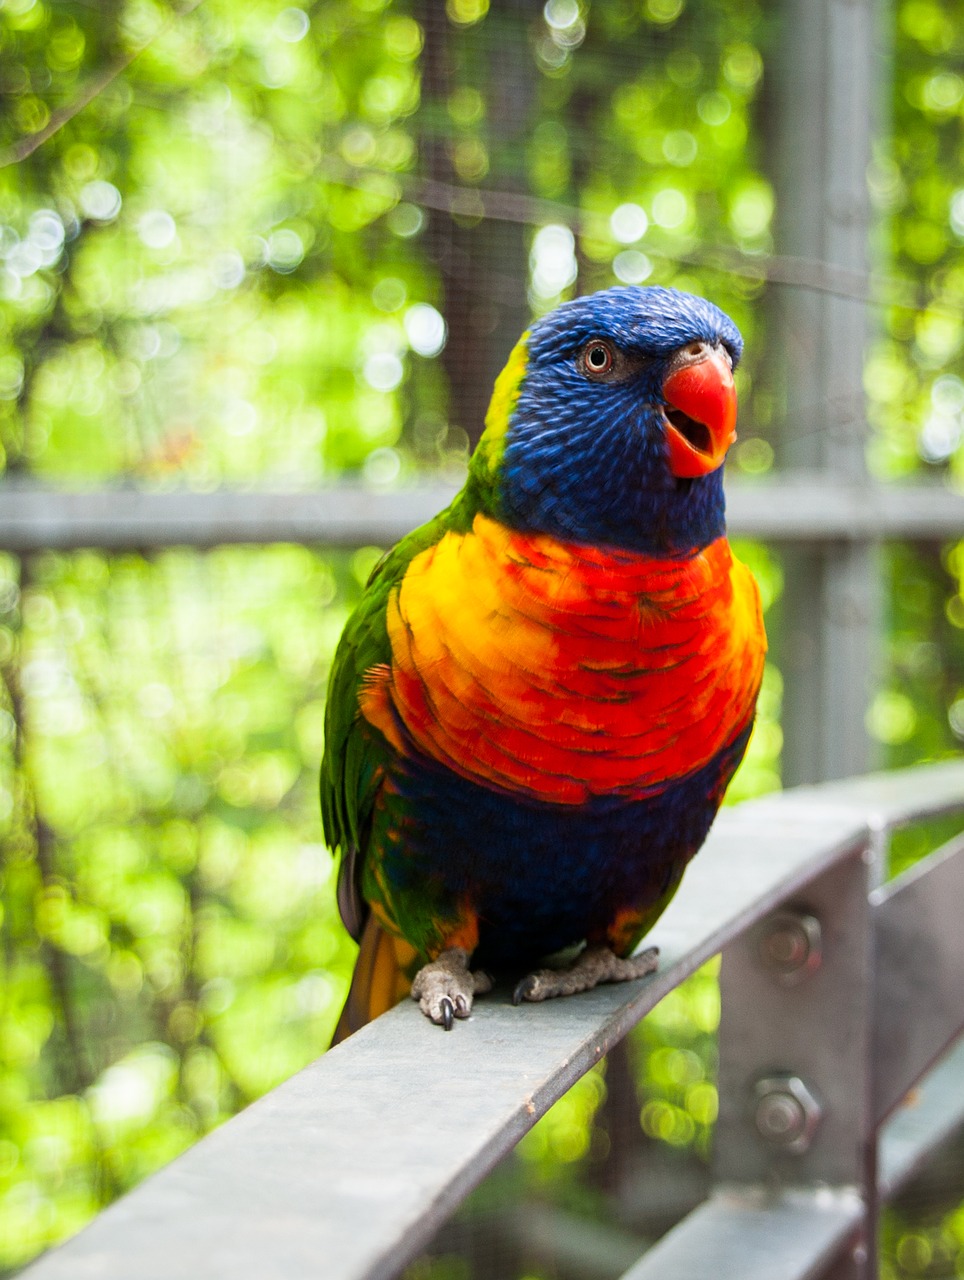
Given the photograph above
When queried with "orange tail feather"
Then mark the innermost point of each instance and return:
(380, 979)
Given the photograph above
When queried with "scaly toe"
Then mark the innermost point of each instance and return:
(482, 981)
(595, 965)
(444, 988)
(640, 965)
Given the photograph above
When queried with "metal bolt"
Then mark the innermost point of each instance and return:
(787, 1113)
(789, 945)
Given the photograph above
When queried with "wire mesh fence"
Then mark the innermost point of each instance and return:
(283, 247)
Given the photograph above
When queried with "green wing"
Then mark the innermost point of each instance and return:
(356, 753)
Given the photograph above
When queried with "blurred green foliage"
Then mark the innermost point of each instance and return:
(913, 374)
(235, 247)
(172, 948)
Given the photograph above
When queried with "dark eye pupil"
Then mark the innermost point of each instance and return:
(598, 357)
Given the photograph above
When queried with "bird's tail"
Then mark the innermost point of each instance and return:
(379, 981)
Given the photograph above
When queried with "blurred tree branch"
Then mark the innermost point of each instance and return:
(514, 206)
(27, 145)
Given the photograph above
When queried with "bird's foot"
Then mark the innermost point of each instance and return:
(591, 967)
(445, 987)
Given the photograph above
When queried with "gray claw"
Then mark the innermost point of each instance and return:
(447, 1010)
(522, 989)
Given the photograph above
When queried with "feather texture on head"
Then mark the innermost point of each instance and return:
(585, 456)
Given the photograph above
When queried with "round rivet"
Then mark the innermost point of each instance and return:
(780, 1118)
(789, 945)
(787, 1113)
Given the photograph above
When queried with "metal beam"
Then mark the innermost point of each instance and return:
(748, 1233)
(797, 508)
(920, 971)
(33, 518)
(795, 1042)
(755, 1235)
(809, 1022)
(347, 1170)
(801, 507)
(931, 1115)
(826, 98)
(892, 800)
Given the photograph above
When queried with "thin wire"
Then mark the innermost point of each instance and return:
(813, 274)
(94, 87)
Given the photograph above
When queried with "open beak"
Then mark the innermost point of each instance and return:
(700, 415)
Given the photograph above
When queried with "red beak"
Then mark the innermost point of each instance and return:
(701, 416)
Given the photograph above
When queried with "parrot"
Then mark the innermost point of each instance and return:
(536, 707)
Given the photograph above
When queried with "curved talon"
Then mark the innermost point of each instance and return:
(447, 1010)
(523, 989)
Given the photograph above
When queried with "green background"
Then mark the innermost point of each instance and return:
(228, 266)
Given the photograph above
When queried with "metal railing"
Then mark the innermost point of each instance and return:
(801, 507)
(838, 994)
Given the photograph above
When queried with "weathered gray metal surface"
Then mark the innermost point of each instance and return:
(824, 95)
(569, 1243)
(920, 971)
(817, 1031)
(751, 1235)
(325, 1178)
(816, 1037)
(349, 515)
(347, 1170)
(800, 1231)
(806, 1028)
(931, 1113)
(794, 508)
(896, 799)
(807, 507)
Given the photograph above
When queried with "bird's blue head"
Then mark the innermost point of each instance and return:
(611, 421)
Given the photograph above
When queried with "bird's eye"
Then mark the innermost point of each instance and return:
(597, 358)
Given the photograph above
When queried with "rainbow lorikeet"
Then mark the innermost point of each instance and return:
(538, 704)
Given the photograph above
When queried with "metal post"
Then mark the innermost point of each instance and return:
(826, 107)
(796, 1098)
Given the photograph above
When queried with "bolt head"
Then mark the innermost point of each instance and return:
(789, 945)
(787, 1114)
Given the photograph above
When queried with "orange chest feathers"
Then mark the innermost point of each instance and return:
(564, 672)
